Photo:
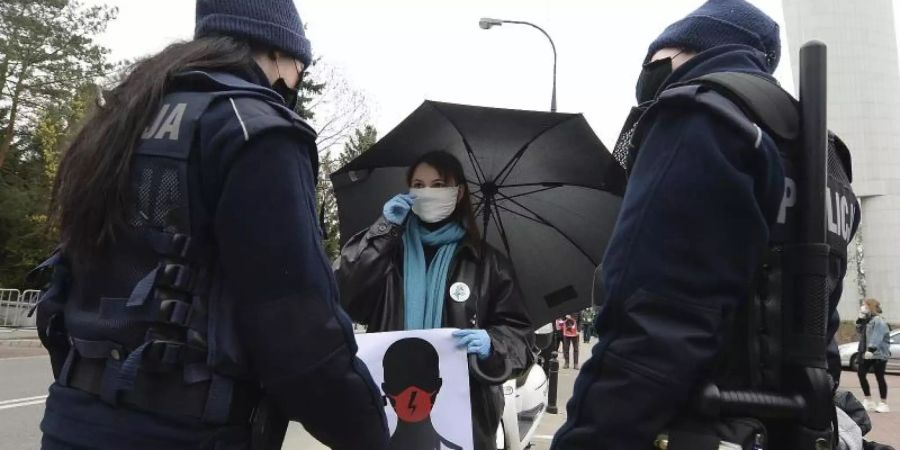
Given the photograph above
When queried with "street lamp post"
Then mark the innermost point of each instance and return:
(551, 358)
(487, 24)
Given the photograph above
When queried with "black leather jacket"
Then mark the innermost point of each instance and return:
(370, 276)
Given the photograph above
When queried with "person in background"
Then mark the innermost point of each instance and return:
(875, 346)
(430, 269)
(558, 339)
(586, 319)
(570, 339)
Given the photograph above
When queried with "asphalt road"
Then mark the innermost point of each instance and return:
(23, 387)
(24, 380)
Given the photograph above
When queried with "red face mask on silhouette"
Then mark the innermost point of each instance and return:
(413, 404)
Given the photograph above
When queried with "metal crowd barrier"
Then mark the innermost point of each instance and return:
(14, 307)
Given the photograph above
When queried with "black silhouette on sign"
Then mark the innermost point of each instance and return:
(411, 383)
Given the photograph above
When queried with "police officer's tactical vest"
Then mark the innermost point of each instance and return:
(149, 325)
(761, 344)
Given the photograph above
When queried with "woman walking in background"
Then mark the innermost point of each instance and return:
(875, 343)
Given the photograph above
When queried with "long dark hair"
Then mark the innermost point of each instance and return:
(91, 190)
(448, 167)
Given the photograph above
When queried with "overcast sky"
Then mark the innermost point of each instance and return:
(402, 52)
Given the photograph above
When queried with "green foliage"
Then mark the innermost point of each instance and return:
(49, 62)
(47, 51)
(23, 237)
(328, 206)
(26, 183)
(49, 66)
(362, 140)
(309, 89)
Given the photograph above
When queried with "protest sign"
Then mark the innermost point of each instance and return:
(424, 378)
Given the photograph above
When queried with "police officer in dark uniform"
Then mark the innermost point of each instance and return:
(710, 203)
(190, 279)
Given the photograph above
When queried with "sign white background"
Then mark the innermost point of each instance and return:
(451, 416)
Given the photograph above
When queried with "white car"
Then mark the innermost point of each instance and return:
(850, 356)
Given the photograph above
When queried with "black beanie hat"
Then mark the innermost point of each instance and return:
(723, 22)
(274, 23)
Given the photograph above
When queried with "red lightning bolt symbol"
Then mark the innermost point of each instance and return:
(412, 402)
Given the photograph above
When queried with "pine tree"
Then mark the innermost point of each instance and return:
(362, 140)
(309, 90)
(47, 51)
(26, 183)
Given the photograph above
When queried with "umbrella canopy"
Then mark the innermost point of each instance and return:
(545, 189)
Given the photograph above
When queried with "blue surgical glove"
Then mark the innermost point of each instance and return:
(476, 342)
(397, 208)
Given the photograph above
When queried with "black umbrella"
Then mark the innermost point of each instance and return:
(545, 189)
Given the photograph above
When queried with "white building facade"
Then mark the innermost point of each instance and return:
(864, 109)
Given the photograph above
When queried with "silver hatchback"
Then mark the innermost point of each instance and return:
(850, 356)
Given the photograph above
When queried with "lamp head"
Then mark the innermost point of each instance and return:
(486, 23)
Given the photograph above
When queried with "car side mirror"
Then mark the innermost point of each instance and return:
(543, 337)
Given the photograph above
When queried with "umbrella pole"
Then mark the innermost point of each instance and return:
(550, 366)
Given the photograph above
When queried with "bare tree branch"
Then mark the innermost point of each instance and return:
(339, 110)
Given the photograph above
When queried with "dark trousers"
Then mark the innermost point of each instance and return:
(878, 366)
(573, 343)
(557, 339)
(48, 443)
(586, 332)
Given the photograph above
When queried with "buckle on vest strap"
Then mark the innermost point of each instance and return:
(173, 245)
(165, 352)
(177, 276)
(181, 245)
(176, 312)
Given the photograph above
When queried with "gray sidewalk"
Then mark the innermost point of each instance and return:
(885, 429)
(297, 438)
(19, 337)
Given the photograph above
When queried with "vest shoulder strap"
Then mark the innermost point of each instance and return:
(224, 84)
(690, 95)
(171, 133)
(749, 103)
(761, 99)
(843, 153)
(767, 104)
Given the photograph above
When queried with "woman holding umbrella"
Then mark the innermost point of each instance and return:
(430, 269)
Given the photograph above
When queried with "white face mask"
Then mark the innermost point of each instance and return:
(433, 205)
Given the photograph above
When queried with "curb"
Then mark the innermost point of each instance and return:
(21, 343)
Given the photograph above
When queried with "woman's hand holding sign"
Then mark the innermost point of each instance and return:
(477, 342)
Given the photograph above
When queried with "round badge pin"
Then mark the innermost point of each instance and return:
(460, 292)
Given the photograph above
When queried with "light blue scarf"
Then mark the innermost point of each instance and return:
(424, 291)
